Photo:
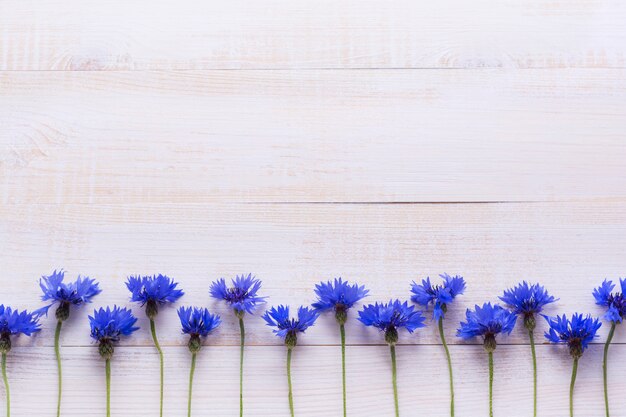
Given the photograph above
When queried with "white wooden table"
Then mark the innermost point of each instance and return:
(304, 140)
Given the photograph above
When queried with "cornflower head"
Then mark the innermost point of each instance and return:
(197, 323)
(487, 321)
(241, 295)
(576, 332)
(613, 301)
(287, 327)
(339, 296)
(439, 295)
(527, 300)
(391, 316)
(75, 293)
(153, 291)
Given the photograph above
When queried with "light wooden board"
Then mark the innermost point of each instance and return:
(300, 140)
(422, 379)
(313, 136)
(187, 34)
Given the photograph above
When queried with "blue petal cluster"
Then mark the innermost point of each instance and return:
(14, 322)
(286, 326)
(159, 289)
(614, 301)
(577, 332)
(109, 325)
(242, 296)
(198, 321)
(75, 293)
(338, 295)
(527, 300)
(391, 316)
(486, 321)
(439, 295)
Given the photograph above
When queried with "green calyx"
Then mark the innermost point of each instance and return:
(490, 343)
(106, 349)
(5, 343)
(63, 311)
(529, 321)
(575, 348)
(194, 343)
(391, 336)
(291, 340)
(341, 313)
(152, 309)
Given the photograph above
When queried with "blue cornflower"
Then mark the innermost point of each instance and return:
(242, 296)
(13, 323)
(109, 325)
(390, 317)
(439, 295)
(577, 332)
(197, 323)
(487, 322)
(287, 327)
(66, 294)
(338, 295)
(614, 301)
(527, 300)
(154, 291)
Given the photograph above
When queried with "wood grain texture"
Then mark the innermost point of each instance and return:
(279, 34)
(570, 247)
(313, 136)
(422, 379)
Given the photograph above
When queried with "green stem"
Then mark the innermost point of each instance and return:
(57, 351)
(193, 369)
(534, 354)
(445, 346)
(605, 369)
(158, 347)
(242, 331)
(571, 388)
(394, 379)
(108, 377)
(342, 330)
(490, 384)
(6, 383)
(289, 381)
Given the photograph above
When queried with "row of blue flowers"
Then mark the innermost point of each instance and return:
(109, 324)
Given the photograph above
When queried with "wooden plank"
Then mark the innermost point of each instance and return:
(279, 34)
(317, 381)
(569, 247)
(401, 136)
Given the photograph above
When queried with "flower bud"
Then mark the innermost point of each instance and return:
(341, 313)
(106, 349)
(291, 340)
(152, 309)
(194, 343)
(5, 343)
(529, 321)
(576, 348)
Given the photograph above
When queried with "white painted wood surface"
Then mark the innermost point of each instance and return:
(205, 139)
